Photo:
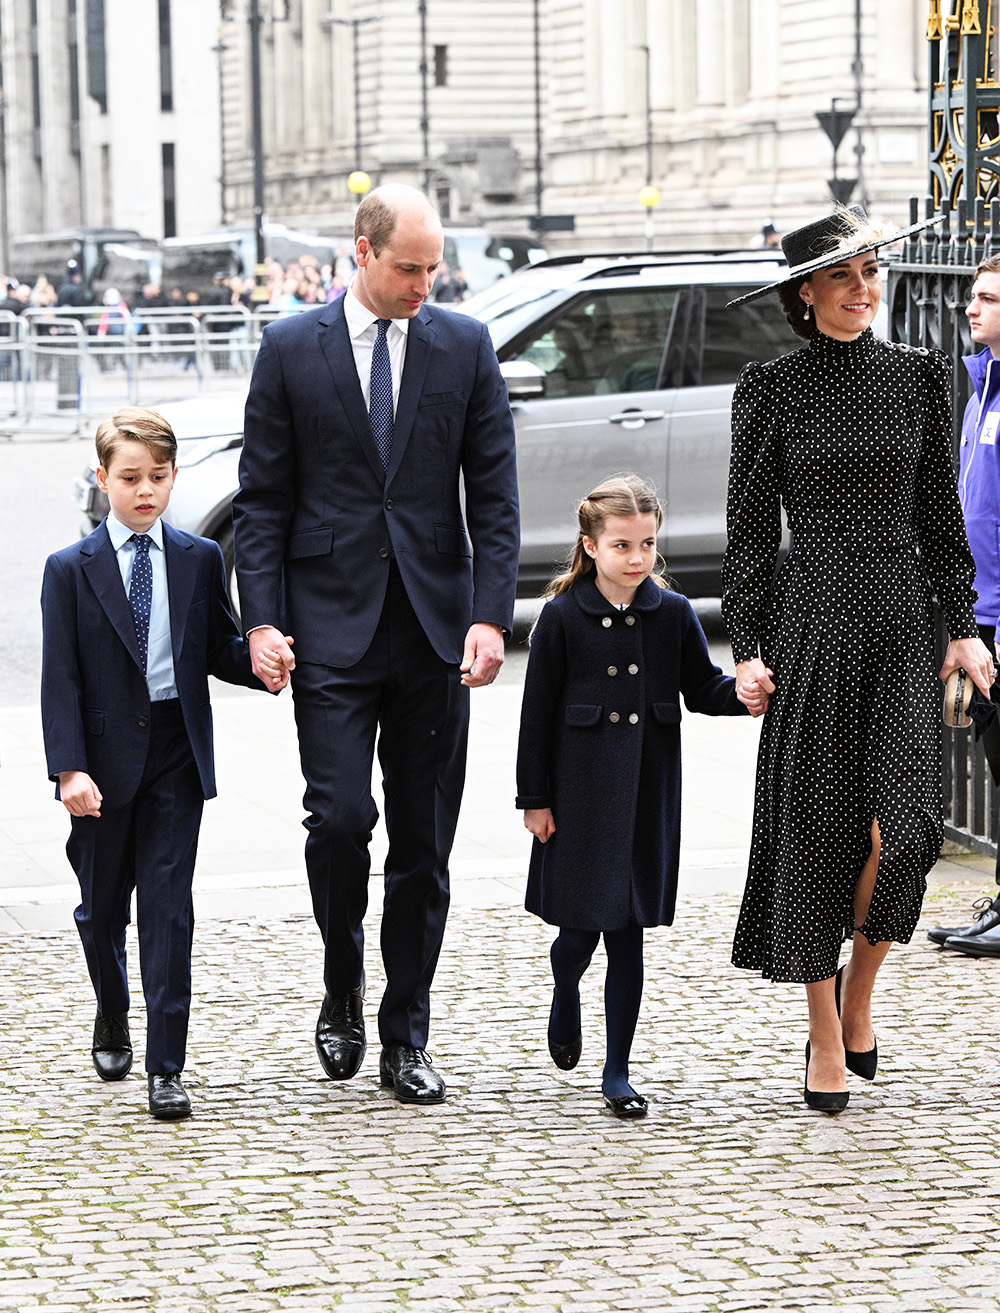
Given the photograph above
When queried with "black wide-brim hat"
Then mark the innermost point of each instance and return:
(828, 241)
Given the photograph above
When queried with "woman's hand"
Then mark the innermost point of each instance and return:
(540, 822)
(754, 685)
(974, 657)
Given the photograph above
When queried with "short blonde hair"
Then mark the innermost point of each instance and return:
(135, 424)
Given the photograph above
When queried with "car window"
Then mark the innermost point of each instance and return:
(603, 342)
(714, 343)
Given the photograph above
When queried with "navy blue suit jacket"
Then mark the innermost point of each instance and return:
(316, 517)
(95, 703)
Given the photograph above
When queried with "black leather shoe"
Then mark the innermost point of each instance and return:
(628, 1107)
(864, 1064)
(986, 944)
(340, 1034)
(565, 1056)
(988, 919)
(408, 1072)
(168, 1100)
(112, 1050)
(824, 1100)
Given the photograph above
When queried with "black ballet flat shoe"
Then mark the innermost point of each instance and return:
(824, 1100)
(627, 1107)
(864, 1064)
(565, 1056)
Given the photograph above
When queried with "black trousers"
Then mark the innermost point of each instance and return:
(414, 702)
(149, 846)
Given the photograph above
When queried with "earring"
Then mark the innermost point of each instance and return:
(805, 312)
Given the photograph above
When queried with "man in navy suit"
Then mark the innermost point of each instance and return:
(135, 618)
(363, 420)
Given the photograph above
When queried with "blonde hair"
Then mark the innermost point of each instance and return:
(623, 496)
(135, 424)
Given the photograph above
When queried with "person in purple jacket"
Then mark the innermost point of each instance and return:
(979, 491)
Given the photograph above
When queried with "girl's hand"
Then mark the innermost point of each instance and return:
(754, 685)
(540, 822)
(974, 657)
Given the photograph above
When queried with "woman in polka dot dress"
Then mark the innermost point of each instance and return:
(852, 435)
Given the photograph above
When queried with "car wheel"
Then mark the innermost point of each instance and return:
(227, 543)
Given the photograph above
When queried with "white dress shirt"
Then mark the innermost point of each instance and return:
(362, 325)
(159, 655)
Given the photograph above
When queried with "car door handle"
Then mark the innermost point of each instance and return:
(631, 416)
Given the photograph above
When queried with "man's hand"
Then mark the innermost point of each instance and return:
(483, 655)
(754, 685)
(271, 656)
(79, 794)
(540, 822)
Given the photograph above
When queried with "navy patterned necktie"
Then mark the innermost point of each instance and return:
(140, 592)
(380, 401)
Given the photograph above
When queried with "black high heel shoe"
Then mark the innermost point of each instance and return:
(565, 1056)
(824, 1100)
(865, 1064)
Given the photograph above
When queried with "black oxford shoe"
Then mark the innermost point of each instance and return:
(112, 1048)
(986, 944)
(409, 1074)
(168, 1099)
(340, 1034)
(988, 919)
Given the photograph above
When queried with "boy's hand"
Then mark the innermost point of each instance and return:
(541, 823)
(79, 794)
(271, 657)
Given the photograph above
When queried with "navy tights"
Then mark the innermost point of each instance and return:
(571, 953)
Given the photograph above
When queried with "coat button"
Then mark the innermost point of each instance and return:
(633, 670)
(606, 622)
(384, 553)
(633, 719)
(614, 718)
(612, 670)
(388, 505)
(142, 721)
(630, 619)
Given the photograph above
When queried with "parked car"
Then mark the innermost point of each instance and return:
(611, 363)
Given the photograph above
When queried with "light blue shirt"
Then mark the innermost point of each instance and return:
(159, 656)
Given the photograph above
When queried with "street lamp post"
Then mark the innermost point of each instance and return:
(425, 113)
(355, 24)
(649, 195)
(220, 49)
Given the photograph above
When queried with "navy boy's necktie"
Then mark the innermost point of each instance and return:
(140, 592)
(380, 401)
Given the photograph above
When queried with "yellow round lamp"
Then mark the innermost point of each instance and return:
(649, 196)
(358, 182)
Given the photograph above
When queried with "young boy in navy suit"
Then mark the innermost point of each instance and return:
(135, 618)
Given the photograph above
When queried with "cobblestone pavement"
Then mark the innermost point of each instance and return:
(286, 1191)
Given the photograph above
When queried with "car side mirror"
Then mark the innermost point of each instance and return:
(525, 381)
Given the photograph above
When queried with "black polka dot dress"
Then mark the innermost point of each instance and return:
(854, 439)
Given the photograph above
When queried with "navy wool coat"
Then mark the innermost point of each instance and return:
(600, 745)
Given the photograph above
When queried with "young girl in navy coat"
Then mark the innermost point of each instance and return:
(598, 762)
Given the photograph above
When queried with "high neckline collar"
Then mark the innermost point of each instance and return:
(832, 348)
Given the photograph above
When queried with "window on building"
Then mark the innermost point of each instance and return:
(166, 60)
(97, 80)
(169, 191)
(440, 66)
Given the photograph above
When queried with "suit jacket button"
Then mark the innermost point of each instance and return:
(606, 622)
(630, 619)
(633, 719)
(614, 718)
(612, 670)
(142, 721)
(384, 553)
(633, 670)
(388, 505)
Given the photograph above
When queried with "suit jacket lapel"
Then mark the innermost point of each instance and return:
(335, 343)
(182, 573)
(100, 565)
(419, 341)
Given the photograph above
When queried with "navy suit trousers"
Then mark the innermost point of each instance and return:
(148, 845)
(403, 692)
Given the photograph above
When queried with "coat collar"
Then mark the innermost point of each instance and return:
(590, 598)
(978, 366)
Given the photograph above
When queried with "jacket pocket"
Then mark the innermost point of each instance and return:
(581, 715)
(310, 542)
(667, 713)
(440, 399)
(450, 541)
(93, 722)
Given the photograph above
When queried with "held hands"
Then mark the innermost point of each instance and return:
(79, 794)
(483, 655)
(271, 657)
(540, 822)
(974, 657)
(754, 685)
